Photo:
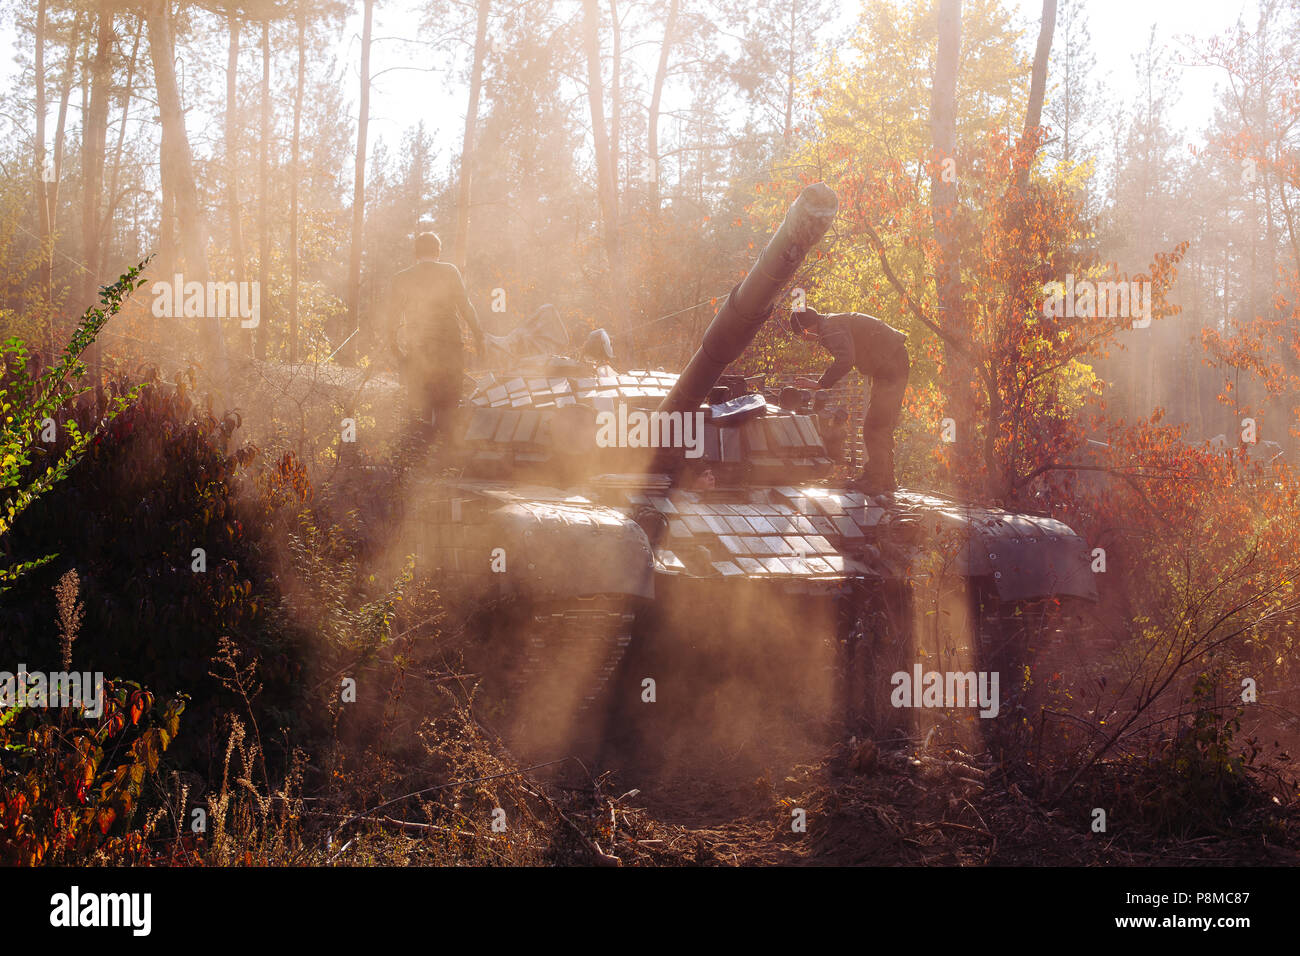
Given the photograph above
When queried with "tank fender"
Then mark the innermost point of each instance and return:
(559, 550)
(1030, 557)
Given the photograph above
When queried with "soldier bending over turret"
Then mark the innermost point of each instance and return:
(879, 352)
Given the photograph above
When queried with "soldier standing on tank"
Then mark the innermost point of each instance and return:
(879, 352)
(430, 299)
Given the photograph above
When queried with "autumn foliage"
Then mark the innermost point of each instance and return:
(72, 789)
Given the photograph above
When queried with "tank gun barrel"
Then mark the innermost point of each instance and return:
(750, 303)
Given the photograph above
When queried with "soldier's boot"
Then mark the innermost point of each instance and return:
(877, 476)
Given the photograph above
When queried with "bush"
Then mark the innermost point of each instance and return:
(156, 484)
(71, 788)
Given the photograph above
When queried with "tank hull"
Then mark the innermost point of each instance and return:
(601, 511)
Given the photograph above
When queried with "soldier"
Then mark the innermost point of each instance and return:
(429, 298)
(879, 352)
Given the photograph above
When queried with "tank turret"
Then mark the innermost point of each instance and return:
(596, 512)
(750, 303)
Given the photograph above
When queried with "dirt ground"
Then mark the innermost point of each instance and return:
(867, 806)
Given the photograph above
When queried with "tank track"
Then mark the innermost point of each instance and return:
(587, 639)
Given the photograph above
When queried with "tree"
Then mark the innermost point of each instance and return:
(467, 143)
(656, 98)
(1073, 108)
(359, 184)
(606, 174)
(1142, 216)
(113, 197)
(39, 157)
(295, 161)
(234, 19)
(779, 47)
(93, 140)
(260, 334)
(30, 406)
(49, 168)
(943, 192)
(970, 287)
(1256, 349)
(177, 168)
(1038, 79)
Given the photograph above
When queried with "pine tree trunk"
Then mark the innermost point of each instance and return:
(606, 185)
(110, 206)
(60, 135)
(93, 138)
(616, 107)
(45, 273)
(359, 194)
(792, 38)
(656, 97)
(177, 171)
(256, 338)
(294, 158)
(232, 147)
(1038, 77)
(467, 143)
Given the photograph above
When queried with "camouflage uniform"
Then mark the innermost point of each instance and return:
(430, 297)
(879, 352)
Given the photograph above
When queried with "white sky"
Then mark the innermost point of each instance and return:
(1119, 28)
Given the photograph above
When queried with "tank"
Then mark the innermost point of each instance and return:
(601, 517)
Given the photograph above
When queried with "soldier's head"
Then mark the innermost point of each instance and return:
(428, 246)
(807, 324)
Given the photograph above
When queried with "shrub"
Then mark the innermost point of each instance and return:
(71, 787)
